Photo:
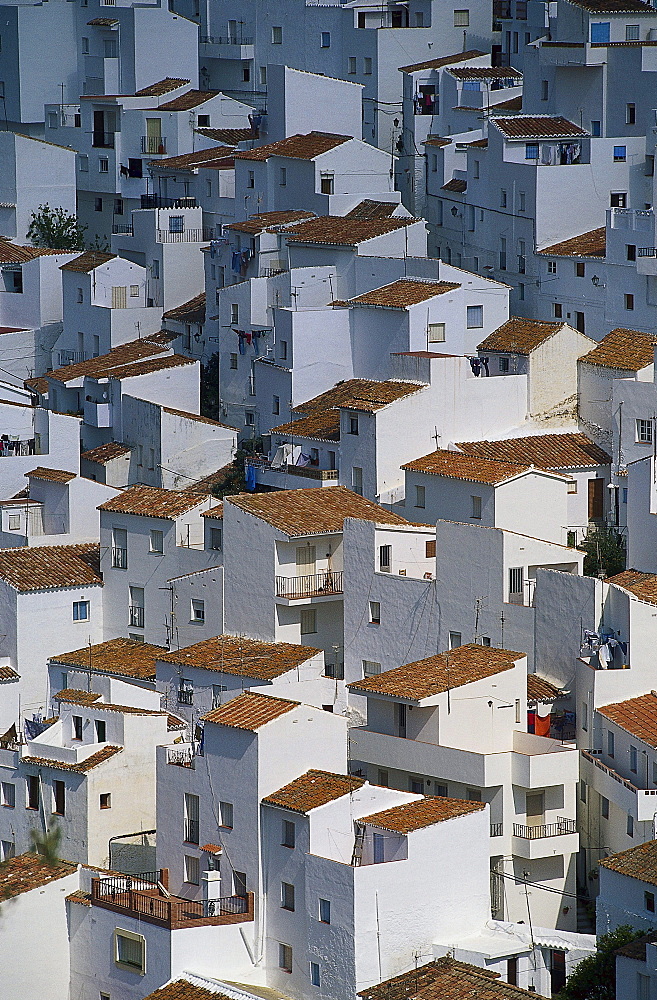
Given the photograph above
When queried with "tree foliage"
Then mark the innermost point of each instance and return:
(47, 843)
(605, 552)
(56, 229)
(595, 976)
(210, 388)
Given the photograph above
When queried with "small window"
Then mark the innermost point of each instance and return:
(157, 541)
(80, 611)
(367, 66)
(118, 210)
(630, 826)
(101, 731)
(416, 785)
(250, 179)
(649, 900)
(226, 813)
(263, 76)
(282, 176)
(610, 743)
(233, 361)
(135, 169)
(203, 121)
(287, 896)
(59, 798)
(326, 183)
(585, 717)
(630, 114)
(285, 957)
(385, 558)
(98, 204)
(309, 621)
(521, 201)
(105, 800)
(326, 40)
(103, 165)
(277, 36)
(502, 198)
(557, 309)
(629, 301)
(14, 522)
(476, 507)
(134, 291)
(83, 163)
(176, 223)
(420, 496)
(77, 727)
(436, 333)
(315, 977)
(283, 350)
(216, 540)
(630, 251)
(375, 613)
(531, 150)
(618, 199)
(572, 486)
(582, 790)
(620, 154)
(545, 90)
(351, 65)
(8, 795)
(503, 365)
(288, 833)
(634, 760)
(198, 611)
(276, 405)
(580, 269)
(631, 32)
(552, 267)
(353, 423)
(475, 317)
(325, 910)
(454, 640)
(370, 668)
(596, 129)
(192, 869)
(604, 807)
(461, 18)
(130, 951)
(383, 778)
(234, 313)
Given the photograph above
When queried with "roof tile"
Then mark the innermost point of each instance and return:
(444, 979)
(250, 711)
(126, 657)
(182, 989)
(628, 350)
(520, 335)
(366, 395)
(538, 689)
(638, 862)
(50, 567)
(105, 453)
(192, 311)
(591, 244)
(242, 657)
(441, 61)
(151, 501)
(164, 86)
(421, 813)
(549, 451)
(637, 716)
(538, 127)
(642, 585)
(270, 220)
(341, 231)
(470, 467)
(88, 261)
(51, 475)
(297, 147)
(313, 789)
(88, 764)
(404, 292)
(190, 99)
(194, 161)
(30, 871)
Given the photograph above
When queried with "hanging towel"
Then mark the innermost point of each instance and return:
(250, 478)
(542, 724)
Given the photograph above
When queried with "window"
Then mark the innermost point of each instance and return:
(285, 957)
(436, 333)
(630, 251)
(277, 36)
(618, 199)
(582, 790)
(630, 826)
(521, 201)
(629, 301)
(476, 507)
(134, 289)
(155, 266)
(649, 901)
(314, 974)
(283, 349)
(600, 33)
(475, 317)
(604, 807)
(105, 800)
(216, 538)
(103, 165)
(516, 579)
(642, 986)
(282, 176)
(157, 541)
(351, 65)
(233, 361)
(309, 621)
(620, 154)
(610, 743)
(630, 114)
(33, 798)
(246, 72)
(325, 911)
(83, 163)
(521, 292)
(263, 76)
(580, 269)
(531, 150)
(130, 951)
(14, 522)
(226, 813)
(217, 692)
(385, 558)
(454, 640)
(77, 727)
(416, 785)
(370, 668)
(136, 609)
(383, 778)
(434, 169)
(631, 32)
(250, 416)
(59, 798)
(596, 129)
(287, 896)
(634, 760)
(198, 611)
(419, 496)
(326, 183)
(135, 169)
(288, 833)
(192, 869)
(276, 405)
(234, 312)
(375, 613)
(461, 18)
(502, 253)
(378, 848)
(503, 365)
(8, 795)
(545, 90)
(326, 40)
(552, 267)
(191, 816)
(101, 731)
(502, 198)
(585, 716)
(98, 204)
(367, 66)
(250, 180)
(557, 309)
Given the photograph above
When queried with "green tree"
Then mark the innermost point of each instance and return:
(47, 843)
(55, 229)
(210, 388)
(595, 976)
(605, 552)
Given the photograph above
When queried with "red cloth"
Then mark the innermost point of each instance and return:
(542, 725)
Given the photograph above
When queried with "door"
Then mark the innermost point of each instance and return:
(378, 848)
(600, 33)
(119, 297)
(99, 129)
(306, 560)
(535, 808)
(153, 135)
(596, 499)
(579, 321)
(400, 712)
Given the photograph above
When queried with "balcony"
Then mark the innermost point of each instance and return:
(497, 829)
(119, 558)
(122, 229)
(533, 842)
(641, 803)
(186, 236)
(191, 831)
(314, 585)
(287, 476)
(227, 47)
(182, 758)
(646, 260)
(136, 617)
(98, 414)
(153, 144)
(139, 896)
(103, 140)
(185, 697)
(562, 827)
(71, 357)
(223, 40)
(159, 201)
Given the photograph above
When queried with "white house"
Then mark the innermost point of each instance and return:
(30, 433)
(34, 173)
(627, 889)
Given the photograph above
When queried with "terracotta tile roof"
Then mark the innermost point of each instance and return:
(216, 512)
(50, 567)
(187, 101)
(122, 656)
(105, 22)
(420, 814)
(550, 451)
(182, 989)
(30, 871)
(366, 395)
(642, 585)
(520, 335)
(192, 311)
(538, 689)
(470, 467)
(88, 764)
(456, 184)
(266, 220)
(637, 716)
(513, 104)
(436, 140)
(485, 73)
(72, 697)
(297, 147)
(538, 127)
(51, 475)
(312, 511)
(196, 160)
(613, 6)
(208, 484)
(369, 209)
(629, 350)
(148, 366)
(229, 136)
(250, 711)
(12, 253)
(105, 364)
(212, 848)
(339, 231)
(436, 674)
(404, 292)
(479, 143)
(446, 979)
(313, 789)
(164, 86)
(150, 501)
(442, 61)
(79, 896)
(638, 862)
(637, 949)
(320, 425)
(196, 416)
(8, 674)
(591, 244)
(240, 656)
(88, 261)
(104, 453)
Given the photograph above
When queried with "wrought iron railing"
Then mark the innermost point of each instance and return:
(496, 829)
(102, 140)
(136, 616)
(562, 827)
(185, 696)
(312, 585)
(160, 201)
(153, 144)
(119, 558)
(186, 236)
(191, 831)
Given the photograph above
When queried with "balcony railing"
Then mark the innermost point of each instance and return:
(153, 144)
(186, 236)
(334, 670)
(223, 40)
(119, 558)
(136, 617)
(135, 896)
(191, 831)
(496, 829)
(71, 357)
(313, 585)
(122, 229)
(159, 201)
(647, 251)
(182, 758)
(185, 697)
(562, 827)
(103, 140)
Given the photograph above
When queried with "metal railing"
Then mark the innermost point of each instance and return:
(185, 697)
(496, 829)
(335, 670)
(134, 895)
(312, 585)
(122, 229)
(191, 831)
(226, 40)
(119, 558)
(71, 357)
(182, 758)
(646, 251)
(160, 201)
(271, 272)
(592, 756)
(102, 140)
(186, 236)
(136, 616)
(562, 827)
(153, 144)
